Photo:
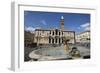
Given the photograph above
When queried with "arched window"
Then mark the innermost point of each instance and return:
(62, 40)
(49, 40)
(52, 41)
(56, 32)
(56, 40)
(62, 33)
(53, 33)
(59, 40)
(50, 32)
(59, 32)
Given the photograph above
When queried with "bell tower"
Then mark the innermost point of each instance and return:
(62, 23)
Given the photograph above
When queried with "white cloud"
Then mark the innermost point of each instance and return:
(31, 29)
(85, 26)
(43, 22)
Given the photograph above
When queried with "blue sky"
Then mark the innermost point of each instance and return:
(49, 20)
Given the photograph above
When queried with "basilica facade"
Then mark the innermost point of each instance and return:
(54, 36)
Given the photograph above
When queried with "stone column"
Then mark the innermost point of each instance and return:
(57, 40)
(51, 41)
(54, 40)
(60, 40)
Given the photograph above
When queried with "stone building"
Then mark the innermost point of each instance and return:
(54, 36)
(83, 37)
